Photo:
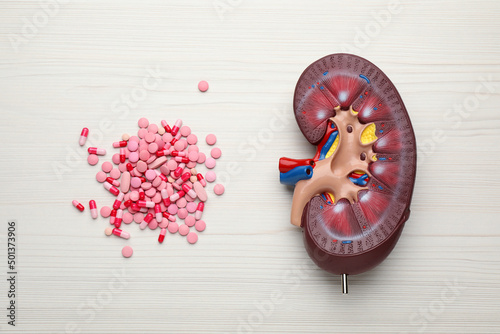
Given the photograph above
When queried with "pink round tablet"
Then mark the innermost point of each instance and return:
(133, 157)
(144, 155)
(210, 176)
(183, 229)
(92, 159)
(210, 163)
(115, 173)
(218, 189)
(172, 209)
(211, 139)
(181, 202)
(107, 166)
(127, 217)
(192, 238)
(193, 156)
(101, 176)
(116, 158)
(203, 86)
(192, 148)
(182, 213)
(200, 226)
(153, 128)
(191, 207)
(105, 211)
(150, 175)
(152, 148)
(150, 137)
(216, 153)
(135, 182)
(132, 145)
(179, 146)
(173, 227)
(127, 251)
(138, 217)
(201, 157)
(185, 131)
(143, 122)
(153, 224)
(189, 221)
(172, 164)
(142, 166)
(192, 139)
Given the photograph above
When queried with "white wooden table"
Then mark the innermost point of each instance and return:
(71, 65)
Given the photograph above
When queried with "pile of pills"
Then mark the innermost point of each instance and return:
(155, 182)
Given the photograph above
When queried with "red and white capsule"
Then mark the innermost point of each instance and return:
(83, 136)
(93, 209)
(118, 219)
(176, 127)
(199, 211)
(187, 189)
(177, 195)
(78, 205)
(183, 178)
(146, 204)
(142, 194)
(182, 159)
(114, 182)
(161, 237)
(158, 215)
(165, 197)
(95, 150)
(118, 144)
(112, 217)
(146, 221)
(121, 233)
(118, 201)
(123, 156)
(166, 126)
(178, 153)
(112, 189)
(177, 172)
(169, 216)
(201, 179)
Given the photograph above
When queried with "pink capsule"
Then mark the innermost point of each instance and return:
(161, 176)
(146, 204)
(169, 216)
(177, 172)
(146, 221)
(199, 211)
(95, 150)
(187, 189)
(161, 237)
(183, 178)
(121, 233)
(173, 141)
(161, 153)
(182, 165)
(135, 207)
(178, 153)
(118, 201)
(118, 144)
(182, 159)
(122, 155)
(176, 127)
(201, 179)
(118, 219)
(129, 167)
(158, 213)
(83, 136)
(112, 189)
(93, 209)
(166, 127)
(177, 195)
(78, 205)
(112, 216)
(112, 181)
(142, 195)
(165, 197)
(127, 203)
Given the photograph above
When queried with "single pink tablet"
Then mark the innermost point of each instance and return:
(143, 122)
(210, 163)
(218, 189)
(211, 139)
(201, 157)
(142, 166)
(173, 227)
(172, 209)
(108, 231)
(183, 229)
(135, 182)
(200, 226)
(152, 148)
(172, 164)
(132, 145)
(185, 131)
(92, 159)
(142, 133)
(182, 213)
(153, 224)
(116, 158)
(144, 155)
(150, 175)
(101, 176)
(191, 207)
(192, 148)
(189, 221)
(127, 217)
(138, 217)
(115, 173)
(150, 137)
(107, 166)
(133, 157)
(210, 176)
(179, 146)
(216, 153)
(105, 211)
(193, 156)
(153, 128)
(127, 251)
(181, 202)
(192, 139)
(203, 86)
(192, 238)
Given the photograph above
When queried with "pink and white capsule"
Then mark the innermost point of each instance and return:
(158, 215)
(112, 189)
(95, 150)
(121, 233)
(177, 172)
(118, 201)
(169, 216)
(161, 176)
(118, 218)
(177, 195)
(146, 204)
(166, 127)
(199, 211)
(178, 153)
(78, 205)
(176, 127)
(183, 178)
(187, 189)
(182, 159)
(118, 144)
(161, 237)
(112, 217)
(201, 179)
(122, 155)
(93, 209)
(165, 197)
(83, 136)
(146, 221)
(112, 181)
